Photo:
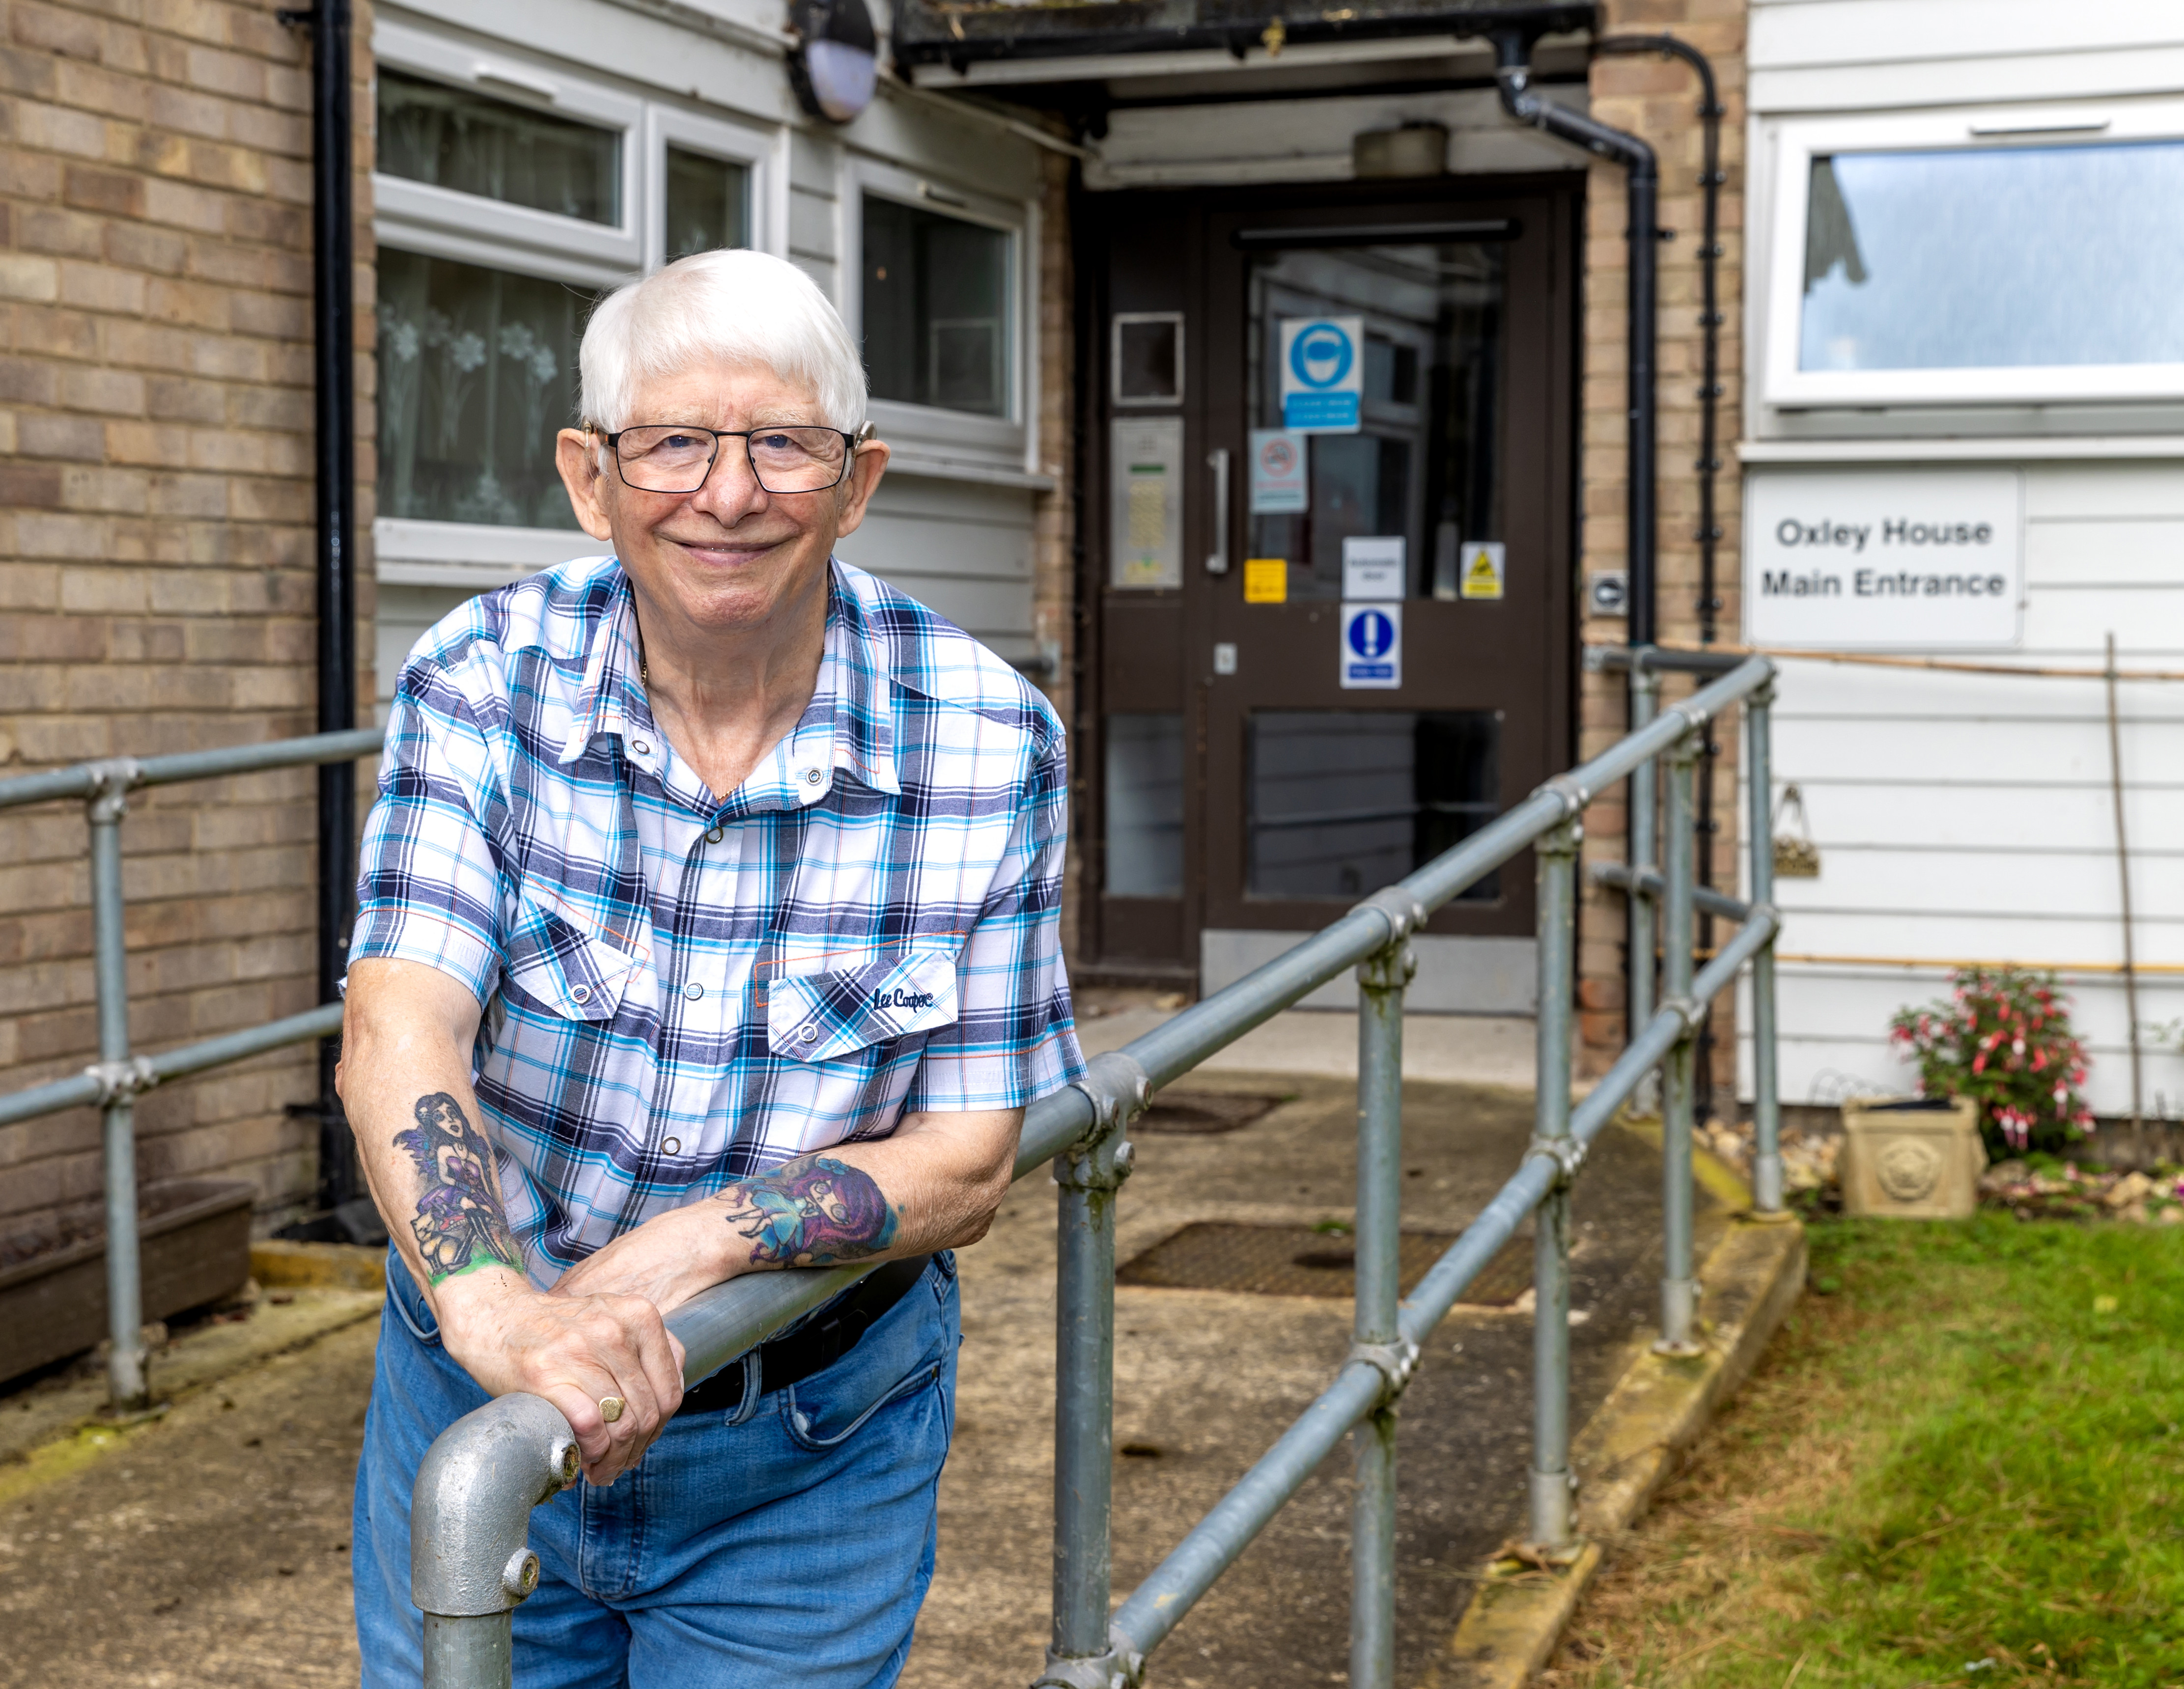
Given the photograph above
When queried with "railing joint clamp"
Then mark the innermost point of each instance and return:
(111, 781)
(1395, 1361)
(119, 1080)
(1688, 1010)
(1120, 1667)
(1573, 795)
(1404, 913)
(1567, 1152)
(1118, 1087)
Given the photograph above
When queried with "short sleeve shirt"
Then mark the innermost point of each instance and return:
(679, 989)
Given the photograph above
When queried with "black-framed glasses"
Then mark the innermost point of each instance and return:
(676, 457)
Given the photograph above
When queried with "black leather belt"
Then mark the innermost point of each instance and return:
(814, 1347)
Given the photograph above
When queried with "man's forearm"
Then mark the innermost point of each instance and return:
(406, 1088)
(934, 1185)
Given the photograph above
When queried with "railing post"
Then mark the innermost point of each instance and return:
(1087, 1176)
(1553, 1493)
(127, 1389)
(1645, 857)
(1766, 1104)
(1678, 1287)
(1381, 979)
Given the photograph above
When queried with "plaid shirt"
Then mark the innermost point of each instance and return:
(680, 989)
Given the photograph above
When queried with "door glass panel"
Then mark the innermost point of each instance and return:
(459, 138)
(1994, 256)
(1422, 464)
(1345, 801)
(478, 373)
(705, 203)
(1145, 805)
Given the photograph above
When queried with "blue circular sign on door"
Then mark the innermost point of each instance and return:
(1321, 355)
(1372, 634)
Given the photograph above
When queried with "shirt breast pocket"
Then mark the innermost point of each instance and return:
(819, 1017)
(561, 966)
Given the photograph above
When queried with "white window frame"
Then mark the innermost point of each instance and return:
(415, 217)
(1793, 143)
(1007, 443)
(760, 153)
(480, 230)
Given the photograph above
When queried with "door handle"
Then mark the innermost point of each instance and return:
(1216, 561)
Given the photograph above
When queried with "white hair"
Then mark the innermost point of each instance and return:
(739, 307)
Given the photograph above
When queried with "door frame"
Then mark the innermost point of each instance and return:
(1558, 199)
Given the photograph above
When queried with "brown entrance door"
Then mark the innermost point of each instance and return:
(1334, 555)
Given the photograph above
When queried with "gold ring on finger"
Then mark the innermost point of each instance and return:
(610, 1407)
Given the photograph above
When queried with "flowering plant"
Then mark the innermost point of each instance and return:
(2002, 1038)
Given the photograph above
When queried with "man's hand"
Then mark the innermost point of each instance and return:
(574, 1351)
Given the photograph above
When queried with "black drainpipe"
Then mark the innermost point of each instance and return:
(1709, 462)
(333, 329)
(1513, 72)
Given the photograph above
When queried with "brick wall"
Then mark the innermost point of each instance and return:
(1659, 98)
(1053, 540)
(156, 544)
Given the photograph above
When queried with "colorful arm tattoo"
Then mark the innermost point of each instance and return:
(812, 1212)
(459, 1225)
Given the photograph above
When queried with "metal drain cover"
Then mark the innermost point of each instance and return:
(1295, 1260)
(1198, 1113)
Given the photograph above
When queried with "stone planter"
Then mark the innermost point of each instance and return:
(195, 1247)
(1912, 1157)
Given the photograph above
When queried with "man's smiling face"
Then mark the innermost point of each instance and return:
(730, 556)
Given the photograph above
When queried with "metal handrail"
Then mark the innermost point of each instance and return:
(118, 1076)
(466, 1547)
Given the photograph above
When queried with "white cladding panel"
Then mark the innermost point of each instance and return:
(957, 547)
(1862, 55)
(1967, 817)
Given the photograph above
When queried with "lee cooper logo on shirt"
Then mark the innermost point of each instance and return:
(900, 998)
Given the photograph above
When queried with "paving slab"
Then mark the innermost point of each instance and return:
(75, 1398)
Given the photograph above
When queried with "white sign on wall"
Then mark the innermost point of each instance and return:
(1883, 559)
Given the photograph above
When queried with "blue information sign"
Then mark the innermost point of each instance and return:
(1322, 372)
(1372, 654)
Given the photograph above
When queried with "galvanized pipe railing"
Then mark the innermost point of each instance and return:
(116, 1079)
(469, 1601)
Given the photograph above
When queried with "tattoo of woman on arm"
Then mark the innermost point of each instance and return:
(459, 1225)
(812, 1212)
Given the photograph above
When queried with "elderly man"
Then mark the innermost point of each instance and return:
(709, 925)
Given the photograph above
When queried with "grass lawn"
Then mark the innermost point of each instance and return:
(1962, 1462)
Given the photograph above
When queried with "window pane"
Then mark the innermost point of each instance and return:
(1145, 806)
(1345, 801)
(1425, 463)
(936, 308)
(457, 138)
(706, 200)
(1994, 258)
(478, 371)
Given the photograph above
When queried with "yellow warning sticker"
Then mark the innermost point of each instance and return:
(1482, 570)
(1267, 581)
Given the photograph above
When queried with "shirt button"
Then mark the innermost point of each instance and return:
(670, 1146)
(642, 747)
(693, 990)
(812, 776)
(809, 1035)
(580, 993)
(714, 836)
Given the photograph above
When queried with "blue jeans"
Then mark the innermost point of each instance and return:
(791, 1541)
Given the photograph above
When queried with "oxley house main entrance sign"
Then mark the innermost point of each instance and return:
(1886, 560)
